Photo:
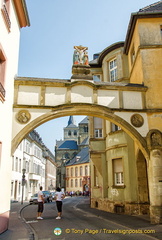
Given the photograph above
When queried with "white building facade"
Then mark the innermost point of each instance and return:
(13, 16)
(33, 157)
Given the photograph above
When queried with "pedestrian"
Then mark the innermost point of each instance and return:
(40, 204)
(59, 196)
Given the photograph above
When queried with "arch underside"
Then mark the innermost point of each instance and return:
(80, 109)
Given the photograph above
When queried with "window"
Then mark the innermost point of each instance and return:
(118, 172)
(16, 164)
(161, 30)
(80, 182)
(2, 74)
(98, 133)
(71, 172)
(76, 182)
(96, 78)
(69, 133)
(81, 171)
(98, 127)
(113, 70)
(20, 165)
(86, 170)
(71, 182)
(12, 185)
(75, 133)
(85, 129)
(27, 147)
(65, 156)
(67, 183)
(12, 163)
(76, 171)
(115, 127)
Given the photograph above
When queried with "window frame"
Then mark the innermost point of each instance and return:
(118, 175)
(98, 133)
(113, 74)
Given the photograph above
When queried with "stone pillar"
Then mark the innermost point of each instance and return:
(104, 176)
(155, 176)
(155, 186)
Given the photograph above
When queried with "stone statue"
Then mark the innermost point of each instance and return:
(85, 58)
(80, 55)
(155, 139)
(76, 57)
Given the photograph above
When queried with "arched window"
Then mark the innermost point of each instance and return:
(80, 182)
(71, 172)
(67, 172)
(75, 133)
(81, 171)
(76, 171)
(71, 182)
(86, 170)
(76, 182)
(69, 133)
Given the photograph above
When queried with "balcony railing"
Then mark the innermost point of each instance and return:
(6, 16)
(2, 92)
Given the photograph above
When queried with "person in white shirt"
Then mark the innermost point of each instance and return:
(40, 204)
(59, 196)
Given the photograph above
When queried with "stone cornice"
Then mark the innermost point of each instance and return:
(29, 81)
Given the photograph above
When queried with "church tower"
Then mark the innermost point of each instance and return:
(71, 130)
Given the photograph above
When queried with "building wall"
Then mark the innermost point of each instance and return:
(8, 39)
(50, 176)
(77, 180)
(28, 156)
(138, 66)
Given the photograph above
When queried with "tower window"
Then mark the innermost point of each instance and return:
(75, 133)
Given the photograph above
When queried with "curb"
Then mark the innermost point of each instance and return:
(31, 231)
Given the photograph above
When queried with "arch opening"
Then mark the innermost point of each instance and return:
(87, 110)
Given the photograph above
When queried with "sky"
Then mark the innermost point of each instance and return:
(47, 46)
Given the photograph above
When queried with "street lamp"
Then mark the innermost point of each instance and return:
(23, 183)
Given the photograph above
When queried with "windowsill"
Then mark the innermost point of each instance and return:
(96, 187)
(114, 132)
(97, 139)
(118, 186)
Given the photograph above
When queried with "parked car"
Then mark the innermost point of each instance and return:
(34, 199)
(47, 196)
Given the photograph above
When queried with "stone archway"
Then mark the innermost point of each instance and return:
(82, 109)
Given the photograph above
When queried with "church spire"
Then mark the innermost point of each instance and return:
(71, 120)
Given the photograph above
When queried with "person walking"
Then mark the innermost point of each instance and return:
(59, 196)
(40, 204)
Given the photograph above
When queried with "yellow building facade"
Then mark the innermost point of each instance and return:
(78, 178)
(123, 179)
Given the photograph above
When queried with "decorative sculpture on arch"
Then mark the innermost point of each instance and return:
(80, 56)
(23, 116)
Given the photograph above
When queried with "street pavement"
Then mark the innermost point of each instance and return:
(79, 222)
